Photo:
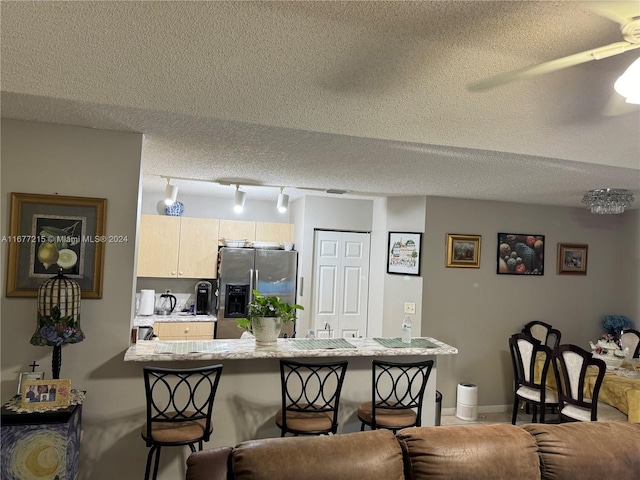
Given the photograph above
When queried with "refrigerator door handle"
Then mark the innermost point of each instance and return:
(251, 285)
(257, 279)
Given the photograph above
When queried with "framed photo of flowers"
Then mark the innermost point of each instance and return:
(572, 259)
(52, 232)
(520, 254)
(45, 394)
(463, 251)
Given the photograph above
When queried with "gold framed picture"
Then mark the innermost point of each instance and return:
(572, 259)
(49, 232)
(38, 394)
(463, 251)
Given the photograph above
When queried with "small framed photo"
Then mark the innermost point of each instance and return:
(463, 251)
(403, 256)
(38, 394)
(572, 259)
(28, 376)
(520, 254)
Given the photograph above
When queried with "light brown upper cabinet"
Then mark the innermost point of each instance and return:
(274, 232)
(177, 247)
(238, 230)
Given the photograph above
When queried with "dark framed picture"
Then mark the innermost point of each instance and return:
(463, 251)
(52, 232)
(403, 256)
(45, 393)
(572, 259)
(520, 254)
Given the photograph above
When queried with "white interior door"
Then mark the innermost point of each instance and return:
(341, 284)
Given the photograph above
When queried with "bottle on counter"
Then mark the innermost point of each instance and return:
(406, 329)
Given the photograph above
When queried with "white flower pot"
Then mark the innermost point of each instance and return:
(266, 329)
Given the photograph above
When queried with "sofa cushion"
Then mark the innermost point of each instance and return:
(496, 452)
(351, 456)
(608, 449)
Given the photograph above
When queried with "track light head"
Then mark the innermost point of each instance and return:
(238, 200)
(283, 201)
(170, 193)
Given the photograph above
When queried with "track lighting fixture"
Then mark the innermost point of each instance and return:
(238, 200)
(283, 201)
(170, 193)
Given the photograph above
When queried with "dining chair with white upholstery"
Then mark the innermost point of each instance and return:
(572, 363)
(544, 332)
(631, 339)
(524, 350)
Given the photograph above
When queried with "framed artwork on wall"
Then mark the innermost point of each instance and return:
(403, 254)
(572, 259)
(52, 232)
(520, 254)
(463, 251)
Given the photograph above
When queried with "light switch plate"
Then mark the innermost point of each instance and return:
(410, 307)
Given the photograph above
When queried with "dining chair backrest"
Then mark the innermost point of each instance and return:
(545, 333)
(524, 350)
(572, 362)
(631, 339)
(399, 386)
(311, 388)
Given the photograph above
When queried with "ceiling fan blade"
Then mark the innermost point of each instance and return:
(553, 65)
(620, 12)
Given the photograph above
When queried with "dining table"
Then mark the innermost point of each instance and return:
(620, 385)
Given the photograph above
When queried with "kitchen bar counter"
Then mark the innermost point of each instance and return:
(246, 349)
(249, 393)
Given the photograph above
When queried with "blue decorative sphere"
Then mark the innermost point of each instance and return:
(175, 210)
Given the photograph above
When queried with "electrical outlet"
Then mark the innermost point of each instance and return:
(410, 307)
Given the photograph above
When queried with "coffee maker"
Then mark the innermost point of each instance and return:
(204, 292)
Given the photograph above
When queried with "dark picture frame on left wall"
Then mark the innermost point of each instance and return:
(49, 232)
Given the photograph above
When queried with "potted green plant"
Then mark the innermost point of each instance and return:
(265, 317)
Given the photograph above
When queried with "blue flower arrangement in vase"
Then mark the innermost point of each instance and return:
(614, 324)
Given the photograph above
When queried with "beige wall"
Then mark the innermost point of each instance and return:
(50, 159)
(474, 310)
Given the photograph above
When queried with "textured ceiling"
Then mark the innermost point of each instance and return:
(368, 97)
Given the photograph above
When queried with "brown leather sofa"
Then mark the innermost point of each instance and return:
(586, 450)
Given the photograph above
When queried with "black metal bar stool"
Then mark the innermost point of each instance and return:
(179, 408)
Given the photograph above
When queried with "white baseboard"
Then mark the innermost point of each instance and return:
(481, 409)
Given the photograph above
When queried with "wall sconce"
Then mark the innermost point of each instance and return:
(170, 193)
(283, 201)
(628, 85)
(238, 200)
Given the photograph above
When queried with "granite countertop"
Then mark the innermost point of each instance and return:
(244, 349)
(149, 320)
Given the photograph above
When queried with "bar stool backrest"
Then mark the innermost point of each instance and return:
(311, 388)
(399, 386)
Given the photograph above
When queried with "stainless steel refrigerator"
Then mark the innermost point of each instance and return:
(242, 270)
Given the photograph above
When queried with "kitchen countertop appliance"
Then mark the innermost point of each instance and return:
(204, 298)
(166, 304)
(147, 302)
(242, 270)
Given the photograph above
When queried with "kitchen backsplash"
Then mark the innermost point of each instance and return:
(182, 289)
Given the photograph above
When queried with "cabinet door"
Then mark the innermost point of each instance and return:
(198, 247)
(274, 232)
(237, 230)
(158, 246)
